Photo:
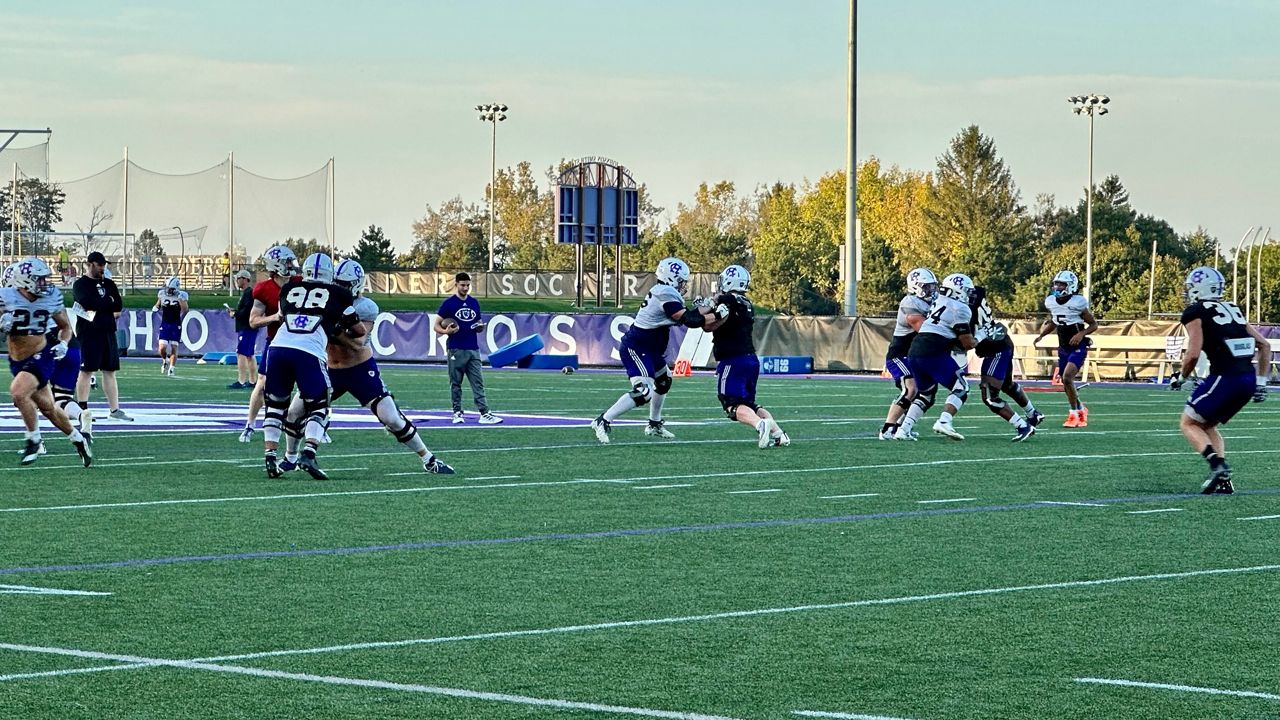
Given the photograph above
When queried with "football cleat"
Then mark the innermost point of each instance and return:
(273, 469)
(31, 451)
(246, 435)
(1219, 482)
(781, 439)
(164, 367)
(287, 465)
(120, 415)
(657, 428)
(1083, 415)
(1023, 431)
(237, 385)
(1073, 420)
(308, 462)
(945, 428)
(458, 419)
(43, 449)
(170, 371)
(887, 434)
(490, 419)
(82, 449)
(763, 427)
(602, 429)
(1034, 418)
(436, 466)
(905, 434)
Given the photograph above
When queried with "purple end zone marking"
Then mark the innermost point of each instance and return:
(603, 534)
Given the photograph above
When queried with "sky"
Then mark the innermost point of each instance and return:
(680, 91)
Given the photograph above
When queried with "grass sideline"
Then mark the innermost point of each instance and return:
(516, 590)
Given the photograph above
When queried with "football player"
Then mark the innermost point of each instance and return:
(29, 307)
(1069, 314)
(932, 362)
(996, 351)
(281, 266)
(171, 301)
(1235, 350)
(738, 368)
(312, 310)
(922, 289)
(352, 369)
(643, 348)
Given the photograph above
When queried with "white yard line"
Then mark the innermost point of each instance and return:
(928, 463)
(29, 590)
(752, 492)
(1261, 517)
(662, 487)
(947, 500)
(748, 613)
(1179, 688)
(1149, 512)
(840, 497)
(73, 671)
(297, 496)
(841, 716)
(360, 682)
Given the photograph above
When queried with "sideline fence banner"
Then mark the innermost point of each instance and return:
(527, 284)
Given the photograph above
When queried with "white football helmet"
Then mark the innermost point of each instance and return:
(674, 272)
(280, 260)
(1072, 282)
(734, 278)
(8, 275)
(32, 275)
(172, 285)
(957, 286)
(318, 267)
(350, 274)
(922, 283)
(1205, 283)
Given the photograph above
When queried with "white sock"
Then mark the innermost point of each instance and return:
(75, 436)
(945, 417)
(655, 407)
(622, 405)
(1016, 420)
(1029, 408)
(33, 436)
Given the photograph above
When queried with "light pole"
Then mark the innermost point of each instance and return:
(182, 243)
(1089, 105)
(492, 113)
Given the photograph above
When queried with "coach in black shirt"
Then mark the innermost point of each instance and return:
(97, 302)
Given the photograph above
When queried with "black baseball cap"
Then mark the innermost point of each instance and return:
(97, 257)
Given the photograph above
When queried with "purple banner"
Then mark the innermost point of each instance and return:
(409, 336)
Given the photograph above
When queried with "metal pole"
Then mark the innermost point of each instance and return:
(182, 248)
(850, 164)
(1248, 273)
(14, 242)
(124, 241)
(231, 212)
(1235, 265)
(493, 180)
(1088, 220)
(1257, 313)
(333, 223)
(1151, 287)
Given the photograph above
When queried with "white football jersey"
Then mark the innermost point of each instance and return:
(1069, 312)
(651, 315)
(948, 317)
(910, 305)
(32, 317)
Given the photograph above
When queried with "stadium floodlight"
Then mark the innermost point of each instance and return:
(492, 113)
(1089, 105)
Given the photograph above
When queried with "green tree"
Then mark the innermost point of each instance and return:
(976, 209)
(148, 243)
(302, 248)
(39, 206)
(452, 238)
(374, 250)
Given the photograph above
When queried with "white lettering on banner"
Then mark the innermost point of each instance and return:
(617, 330)
(378, 322)
(630, 284)
(494, 323)
(198, 319)
(555, 284)
(558, 335)
(142, 328)
(415, 284)
(531, 285)
(608, 279)
(506, 285)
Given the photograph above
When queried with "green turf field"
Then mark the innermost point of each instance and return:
(842, 577)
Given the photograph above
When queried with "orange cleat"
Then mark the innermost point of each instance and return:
(1073, 420)
(1084, 417)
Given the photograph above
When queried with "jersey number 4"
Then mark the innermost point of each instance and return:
(935, 317)
(1226, 313)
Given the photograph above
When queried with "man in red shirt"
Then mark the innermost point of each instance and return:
(281, 265)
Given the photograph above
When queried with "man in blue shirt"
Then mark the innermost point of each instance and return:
(459, 318)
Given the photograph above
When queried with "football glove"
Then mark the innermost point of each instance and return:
(981, 333)
(1176, 381)
(700, 301)
(60, 351)
(722, 311)
(6, 322)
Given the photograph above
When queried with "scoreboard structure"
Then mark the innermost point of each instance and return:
(597, 203)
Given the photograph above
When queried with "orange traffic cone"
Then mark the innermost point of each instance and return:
(682, 369)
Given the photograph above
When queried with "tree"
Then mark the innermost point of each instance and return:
(148, 243)
(39, 206)
(302, 248)
(452, 237)
(97, 218)
(1112, 192)
(976, 209)
(374, 250)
